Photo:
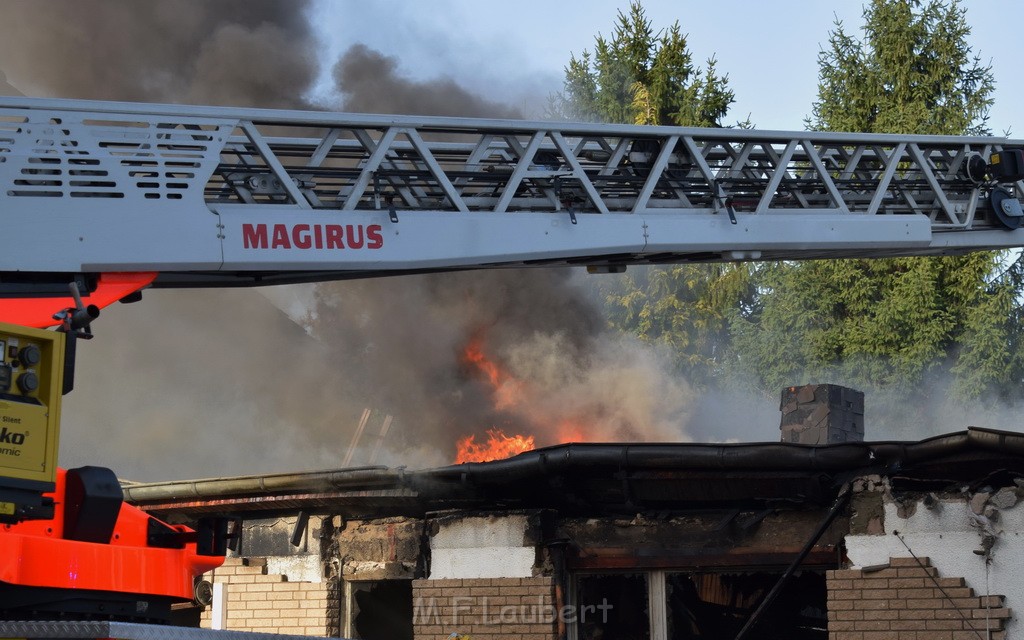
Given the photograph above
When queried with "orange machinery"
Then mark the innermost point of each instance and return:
(69, 544)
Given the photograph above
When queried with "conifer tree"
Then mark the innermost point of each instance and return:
(908, 331)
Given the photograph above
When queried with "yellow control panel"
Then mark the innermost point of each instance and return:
(31, 386)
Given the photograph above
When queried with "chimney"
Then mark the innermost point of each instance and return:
(822, 414)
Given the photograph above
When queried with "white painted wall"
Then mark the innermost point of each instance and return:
(482, 547)
(947, 536)
(297, 568)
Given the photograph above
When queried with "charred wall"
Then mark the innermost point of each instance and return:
(383, 549)
(727, 538)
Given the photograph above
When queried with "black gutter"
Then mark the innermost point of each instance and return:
(846, 457)
(600, 459)
(278, 483)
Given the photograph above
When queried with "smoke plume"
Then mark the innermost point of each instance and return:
(6, 89)
(238, 52)
(407, 337)
(198, 383)
(370, 83)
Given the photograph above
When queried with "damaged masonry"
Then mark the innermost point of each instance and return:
(586, 541)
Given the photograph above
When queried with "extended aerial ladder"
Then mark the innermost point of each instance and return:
(116, 197)
(183, 196)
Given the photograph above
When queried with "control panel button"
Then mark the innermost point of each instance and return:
(30, 355)
(28, 382)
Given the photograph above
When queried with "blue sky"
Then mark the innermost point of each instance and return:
(515, 51)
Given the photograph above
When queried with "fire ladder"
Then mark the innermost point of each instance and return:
(207, 196)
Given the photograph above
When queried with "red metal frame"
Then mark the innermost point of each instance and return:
(38, 312)
(35, 554)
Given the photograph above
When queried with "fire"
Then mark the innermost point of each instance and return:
(511, 396)
(497, 447)
(507, 390)
(571, 431)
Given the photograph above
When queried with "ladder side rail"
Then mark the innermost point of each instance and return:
(521, 169)
(927, 169)
(126, 153)
(740, 165)
(784, 168)
(823, 174)
(377, 155)
(386, 161)
(446, 124)
(891, 163)
(325, 179)
(781, 167)
(655, 172)
(578, 172)
(747, 168)
(435, 169)
(701, 163)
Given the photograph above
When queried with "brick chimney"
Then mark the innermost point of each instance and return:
(822, 414)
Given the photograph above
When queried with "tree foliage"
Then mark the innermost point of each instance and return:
(900, 329)
(684, 307)
(909, 331)
(639, 76)
(896, 327)
(912, 72)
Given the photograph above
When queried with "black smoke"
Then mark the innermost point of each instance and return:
(233, 52)
(198, 383)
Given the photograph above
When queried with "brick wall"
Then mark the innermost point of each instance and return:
(257, 601)
(485, 609)
(908, 601)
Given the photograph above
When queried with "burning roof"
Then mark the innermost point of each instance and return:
(611, 478)
(527, 416)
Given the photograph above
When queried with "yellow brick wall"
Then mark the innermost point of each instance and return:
(910, 601)
(484, 609)
(266, 603)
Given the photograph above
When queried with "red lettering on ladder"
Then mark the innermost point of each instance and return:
(312, 236)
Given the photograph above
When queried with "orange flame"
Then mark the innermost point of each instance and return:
(497, 447)
(509, 395)
(571, 431)
(506, 389)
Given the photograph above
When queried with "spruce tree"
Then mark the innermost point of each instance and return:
(908, 331)
(641, 76)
